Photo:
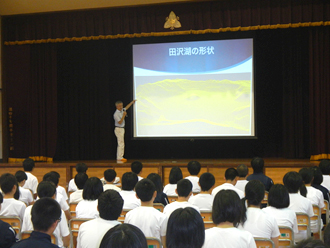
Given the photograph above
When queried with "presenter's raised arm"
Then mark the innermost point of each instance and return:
(122, 118)
(130, 104)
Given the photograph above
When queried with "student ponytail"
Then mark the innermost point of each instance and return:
(303, 190)
(243, 210)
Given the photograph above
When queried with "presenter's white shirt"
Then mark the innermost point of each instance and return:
(76, 196)
(194, 180)
(241, 184)
(228, 186)
(203, 201)
(117, 117)
(283, 217)
(217, 237)
(31, 182)
(72, 186)
(149, 220)
(315, 196)
(62, 229)
(260, 224)
(326, 181)
(25, 196)
(87, 209)
(169, 189)
(91, 232)
(12, 207)
(61, 190)
(111, 186)
(130, 200)
(169, 208)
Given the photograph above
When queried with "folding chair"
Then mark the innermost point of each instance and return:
(27, 234)
(159, 207)
(209, 224)
(304, 223)
(172, 198)
(153, 242)
(122, 216)
(73, 206)
(317, 218)
(264, 243)
(265, 200)
(287, 236)
(325, 211)
(15, 222)
(206, 215)
(74, 225)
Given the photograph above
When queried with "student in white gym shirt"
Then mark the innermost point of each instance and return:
(231, 176)
(80, 180)
(194, 167)
(25, 195)
(243, 172)
(32, 181)
(325, 168)
(174, 177)
(80, 168)
(109, 179)
(128, 182)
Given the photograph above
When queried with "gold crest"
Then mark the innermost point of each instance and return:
(172, 21)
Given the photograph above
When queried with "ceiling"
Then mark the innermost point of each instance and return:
(13, 7)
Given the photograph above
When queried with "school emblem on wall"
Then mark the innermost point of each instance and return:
(172, 21)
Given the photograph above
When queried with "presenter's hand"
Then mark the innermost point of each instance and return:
(124, 113)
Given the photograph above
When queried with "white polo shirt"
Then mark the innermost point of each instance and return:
(149, 220)
(241, 184)
(326, 181)
(87, 209)
(25, 196)
(91, 232)
(315, 196)
(130, 200)
(169, 189)
(203, 201)
(62, 191)
(117, 117)
(63, 203)
(31, 182)
(260, 224)
(194, 180)
(12, 207)
(228, 186)
(62, 229)
(111, 186)
(228, 238)
(76, 196)
(169, 208)
(283, 217)
(72, 186)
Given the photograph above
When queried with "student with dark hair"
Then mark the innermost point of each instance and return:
(25, 195)
(278, 207)
(11, 206)
(136, 167)
(80, 168)
(194, 167)
(161, 196)
(109, 179)
(59, 189)
(257, 221)
(185, 229)
(174, 178)
(45, 216)
(231, 179)
(325, 168)
(318, 179)
(243, 172)
(129, 180)
(47, 189)
(227, 214)
(184, 192)
(80, 180)
(110, 205)
(258, 174)
(32, 181)
(7, 233)
(151, 222)
(87, 208)
(311, 243)
(204, 199)
(124, 236)
(298, 203)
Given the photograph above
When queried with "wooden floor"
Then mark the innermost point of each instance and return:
(274, 167)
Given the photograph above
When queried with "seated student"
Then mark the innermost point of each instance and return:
(136, 167)
(298, 203)
(87, 208)
(47, 189)
(25, 195)
(243, 172)
(258, 223)
(124, 236)
(174, 178)
(231, 179)
(52, 177)
(10, 206)
(110, 205)
(258, 174)
(184, 192)
(161, 196)
(80, 168)
(325, 168)
(7, 233)
(32, 181)
(129, 180)
(227, 214)
(80, 179)
(317, 181)
(45, 216)
(204, 200)
(278, 207)
(109, 178)
(311, 243)
(185, 228)
(194, 167)
(59, 189)
(151, 222)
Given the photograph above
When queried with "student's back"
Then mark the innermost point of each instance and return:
(7, 233)
(258, 165)
(129, 180)
(194, 168)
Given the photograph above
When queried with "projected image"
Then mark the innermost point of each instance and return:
(209, 97)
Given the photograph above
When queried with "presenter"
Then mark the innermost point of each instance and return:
(119, 117)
